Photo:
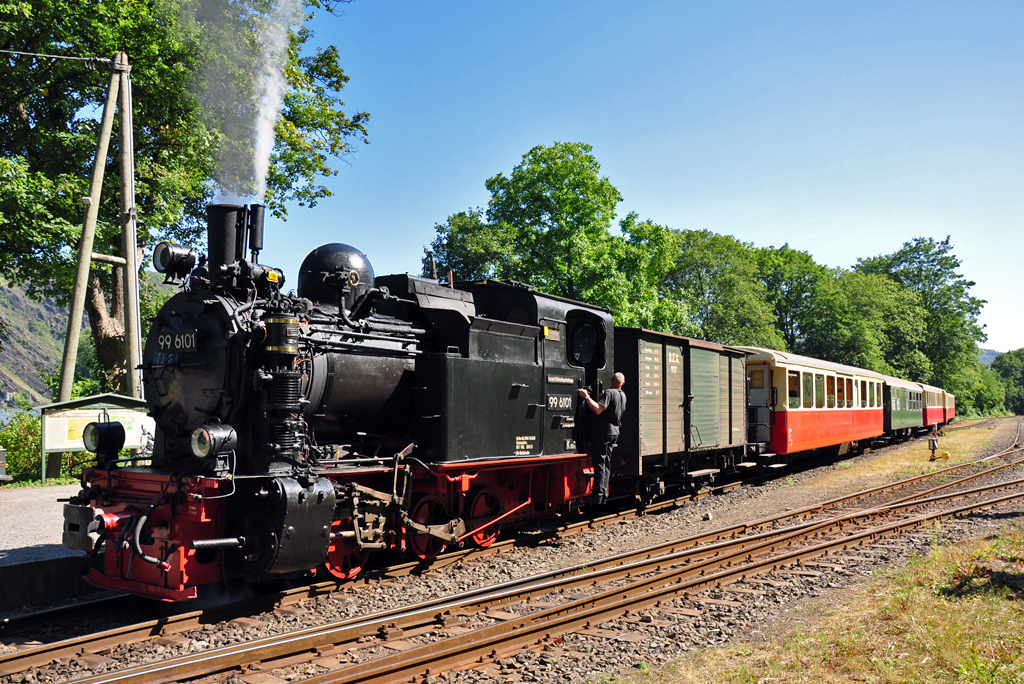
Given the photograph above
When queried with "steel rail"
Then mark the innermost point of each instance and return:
(698, 560)
(42, 654)
(513, 635)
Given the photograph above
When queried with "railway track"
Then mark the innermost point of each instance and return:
(440, 616)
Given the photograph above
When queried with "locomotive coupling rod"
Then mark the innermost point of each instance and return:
(226, 543)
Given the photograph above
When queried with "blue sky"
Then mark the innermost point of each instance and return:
(844, 130)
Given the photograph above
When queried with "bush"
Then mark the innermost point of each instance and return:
(20, 435)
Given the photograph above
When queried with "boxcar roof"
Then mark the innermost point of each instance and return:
(760, 354)
(692, 341)
(900, 382)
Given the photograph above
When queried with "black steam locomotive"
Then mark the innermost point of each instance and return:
(303, 431)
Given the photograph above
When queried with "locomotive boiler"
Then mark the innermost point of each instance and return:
(305, 430)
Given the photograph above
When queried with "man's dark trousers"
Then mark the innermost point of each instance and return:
(601, 458)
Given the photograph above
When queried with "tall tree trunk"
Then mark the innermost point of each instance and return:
(108, 331)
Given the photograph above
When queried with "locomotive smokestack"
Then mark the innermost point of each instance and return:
(256, 212)
(225, 235)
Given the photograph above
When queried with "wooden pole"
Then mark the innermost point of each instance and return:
(67, 369)
(129, 239)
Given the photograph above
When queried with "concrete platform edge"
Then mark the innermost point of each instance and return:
(42, 582)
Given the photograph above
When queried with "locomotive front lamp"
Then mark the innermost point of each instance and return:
(210, 440)
(173, 260)
(103, 439)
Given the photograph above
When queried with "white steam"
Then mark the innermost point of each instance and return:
(271, 77)
(243, 93)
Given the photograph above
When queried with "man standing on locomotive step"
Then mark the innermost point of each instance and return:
(608, 409)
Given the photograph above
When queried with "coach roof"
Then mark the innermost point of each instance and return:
(785, 358)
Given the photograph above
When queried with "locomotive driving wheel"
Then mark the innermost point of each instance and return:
(345, 559)
(429, 510)
(484, 505)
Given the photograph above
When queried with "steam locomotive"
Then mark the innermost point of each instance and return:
(302, 432)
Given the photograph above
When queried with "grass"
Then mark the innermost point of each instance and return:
(952, 616)
(899, 464)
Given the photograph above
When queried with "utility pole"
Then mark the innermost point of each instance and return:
(92, 208)
(119, 92)
(129, 239)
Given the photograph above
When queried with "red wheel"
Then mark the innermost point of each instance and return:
(344, 557)
(484, 505)
(427, 511)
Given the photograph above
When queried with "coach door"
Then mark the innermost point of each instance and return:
(759, 389)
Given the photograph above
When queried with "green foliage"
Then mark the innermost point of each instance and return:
(556, 210)
(929, 268)
(19, 434)
(195, 92)
(1010, 369)
(646, 258)
(548, 224)
(717, 275)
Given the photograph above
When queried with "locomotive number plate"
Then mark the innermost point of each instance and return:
(559, 402)
(175, 341)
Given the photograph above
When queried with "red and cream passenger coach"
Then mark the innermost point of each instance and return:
(812, 404)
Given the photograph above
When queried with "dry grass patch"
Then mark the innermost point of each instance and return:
(954, 616)
(907, 461)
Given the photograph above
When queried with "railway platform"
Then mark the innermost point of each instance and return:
(35, 569)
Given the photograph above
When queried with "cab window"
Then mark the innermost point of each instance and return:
(794, 389)
(808, 390)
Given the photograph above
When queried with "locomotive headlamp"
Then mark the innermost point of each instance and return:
(173, 260)
(105, 439)
(210, 440)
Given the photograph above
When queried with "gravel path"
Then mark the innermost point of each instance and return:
(32, 523)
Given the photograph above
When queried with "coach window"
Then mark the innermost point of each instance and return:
(863, 393)
(831, 394)
(841, 394)
(849, 392)
(819, 391)
(794, 389)
(808, 390)
(871, 394)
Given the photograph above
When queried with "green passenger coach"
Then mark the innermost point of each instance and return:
(904, 406)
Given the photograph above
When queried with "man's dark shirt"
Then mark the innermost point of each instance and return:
(614, 403)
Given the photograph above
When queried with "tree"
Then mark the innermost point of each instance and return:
(547, 224)
(193, 76)
(791, 278)
(929, 268)
(1010, 369)
(717, 275)
(646, 258)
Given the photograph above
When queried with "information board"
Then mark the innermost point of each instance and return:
(63, 429)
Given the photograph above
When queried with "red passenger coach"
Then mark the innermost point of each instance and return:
(950, 406)
(812, 404)
(934, 406)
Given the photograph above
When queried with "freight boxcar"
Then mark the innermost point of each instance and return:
(686, 415)
(811, 404)
(903, 407)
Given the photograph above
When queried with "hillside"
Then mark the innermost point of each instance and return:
(987, 356)
(35, 343)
